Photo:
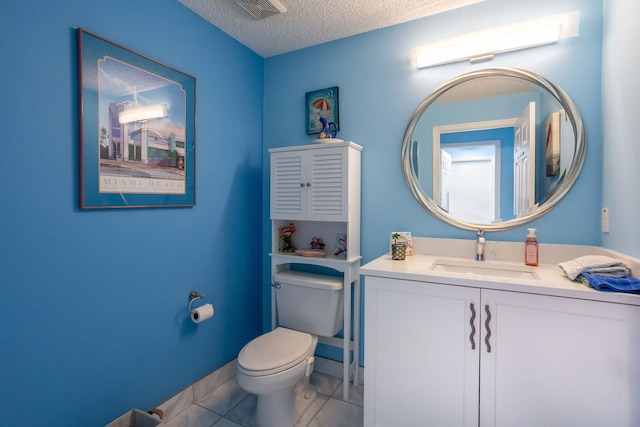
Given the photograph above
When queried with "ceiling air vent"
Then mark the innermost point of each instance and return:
(261, 9)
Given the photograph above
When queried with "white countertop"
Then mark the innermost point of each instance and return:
(551, 279)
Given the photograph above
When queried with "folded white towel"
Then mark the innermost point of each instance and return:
(601, 265)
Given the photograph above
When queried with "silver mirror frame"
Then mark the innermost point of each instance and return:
(576, 165)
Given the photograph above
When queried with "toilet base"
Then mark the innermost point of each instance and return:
(276, 409)
(284, 407)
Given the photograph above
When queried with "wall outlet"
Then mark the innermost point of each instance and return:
(605, 220)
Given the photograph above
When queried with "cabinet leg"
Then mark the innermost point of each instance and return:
(346, 351)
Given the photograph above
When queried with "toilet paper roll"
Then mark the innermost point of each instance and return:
(202, 313)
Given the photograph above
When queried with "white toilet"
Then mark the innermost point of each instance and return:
(273, 364)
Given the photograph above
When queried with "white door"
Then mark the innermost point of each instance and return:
(524, 161)
(445, 173)
(558, 362)
(472, 189)
(422, 358)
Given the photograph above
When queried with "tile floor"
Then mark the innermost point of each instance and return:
(228, 405)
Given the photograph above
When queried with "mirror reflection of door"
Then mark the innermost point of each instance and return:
(491, 133)
(445, 171)
(472, 189)
(524, 161)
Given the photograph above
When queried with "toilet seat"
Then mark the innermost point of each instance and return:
(275, 352)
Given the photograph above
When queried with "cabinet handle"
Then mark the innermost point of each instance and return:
(473, 326)
(302, 184)
(308, 184)
(486, 325)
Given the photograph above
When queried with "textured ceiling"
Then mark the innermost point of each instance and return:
(311, 22)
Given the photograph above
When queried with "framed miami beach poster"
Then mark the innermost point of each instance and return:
(136, 129)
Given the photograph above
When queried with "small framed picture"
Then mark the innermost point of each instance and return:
(552, 147)
(403, 238)
(321, 103)
(341, 246)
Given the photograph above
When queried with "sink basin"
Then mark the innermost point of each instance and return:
(484, 268)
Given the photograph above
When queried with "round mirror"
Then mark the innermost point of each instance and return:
(493, 149)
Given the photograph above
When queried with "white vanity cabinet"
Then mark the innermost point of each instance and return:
(450, 355)
(316, 187)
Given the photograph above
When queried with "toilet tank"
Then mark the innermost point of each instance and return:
(309, 302)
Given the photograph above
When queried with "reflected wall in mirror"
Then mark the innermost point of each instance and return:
(493, 149)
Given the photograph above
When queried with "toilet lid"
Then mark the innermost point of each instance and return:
(275, 351)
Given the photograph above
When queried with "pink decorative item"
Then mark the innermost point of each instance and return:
(286, 233)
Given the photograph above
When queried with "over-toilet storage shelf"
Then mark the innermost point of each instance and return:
(316, 188)
(351, 292)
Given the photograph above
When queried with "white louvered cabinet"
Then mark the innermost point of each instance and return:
(312, 182)
(317, 188)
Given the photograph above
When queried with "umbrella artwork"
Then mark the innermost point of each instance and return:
(321, 103)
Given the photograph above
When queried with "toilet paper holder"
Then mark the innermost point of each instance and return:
(193, 295)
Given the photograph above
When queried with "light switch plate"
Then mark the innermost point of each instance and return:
(605, 220)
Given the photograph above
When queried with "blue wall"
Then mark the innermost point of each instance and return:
(621, 89)
(379, 91)
(93, 304)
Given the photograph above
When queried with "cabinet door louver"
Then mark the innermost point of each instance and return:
(287, 197)
(327, 176)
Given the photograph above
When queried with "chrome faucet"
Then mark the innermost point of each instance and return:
(480, 241)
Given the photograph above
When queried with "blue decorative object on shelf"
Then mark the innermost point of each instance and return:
(329, 129)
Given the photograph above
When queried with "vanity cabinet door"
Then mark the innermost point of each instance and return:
(421, 357)
(313, 183)
(560, 362)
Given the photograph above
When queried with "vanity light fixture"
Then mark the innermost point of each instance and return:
(137, 114)
(482, 45)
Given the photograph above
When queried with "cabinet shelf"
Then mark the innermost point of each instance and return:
(333, 262)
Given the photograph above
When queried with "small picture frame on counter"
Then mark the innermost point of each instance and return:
(404, 238)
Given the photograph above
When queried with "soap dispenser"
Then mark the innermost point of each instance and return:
(531, 248)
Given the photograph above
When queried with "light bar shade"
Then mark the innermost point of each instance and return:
(137, 114)
(482, 45)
